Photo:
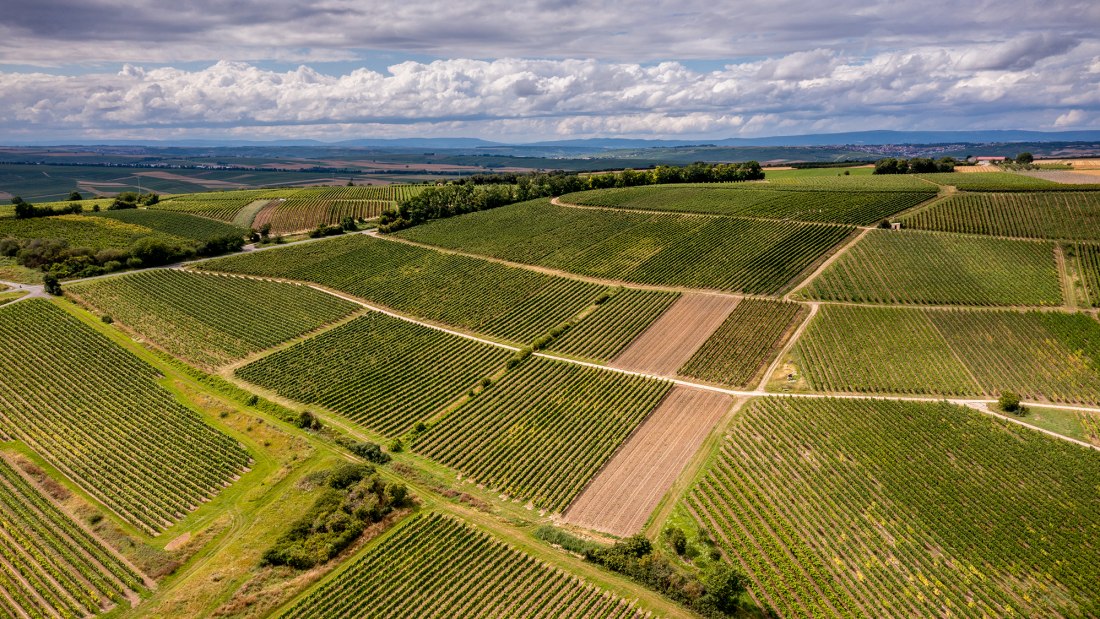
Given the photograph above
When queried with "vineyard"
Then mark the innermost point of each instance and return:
(872, 508)
(97, 413)
(939, 268)
(735, 254)
(50, 565)
(1048, 215)
(82, 231)
(850, 207)
(736, 353)
(994, 181)
(308, 208)
(1041, 355)
(208, 319)
(220, 205)
(1086, 260)
(614, 325)
(175, 224)
(880, 350)
(504, 302)
(541, 432)
(436, 566)
(382, 372)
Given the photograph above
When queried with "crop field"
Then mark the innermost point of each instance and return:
(541, 432)
(209, 319)
(726, 253)
(1045, 215)
(671, 340)
(436, 566)
(880, 350)
(1040, 355)
(620, 499)
(736, 353)
(96, 412)
(994, 181)
(504, 302)
(48, 563)
(1086, 259)
(840, 508)
(943, 269)
(849, 207)
(382, 372)
(81, 231)
(175, 224)
(219, 205)
(308, 208)
(616, 323)
(860, 179)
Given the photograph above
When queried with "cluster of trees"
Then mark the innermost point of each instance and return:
(482, 192)
(354, 497)
(916, 165)
(26, 210)
(719, 593)
(129, 199)
(58, 258)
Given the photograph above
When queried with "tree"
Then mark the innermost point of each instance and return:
(724, 587)
(75, 195)
(51, 284)
(1025, 158)
(1009, 402)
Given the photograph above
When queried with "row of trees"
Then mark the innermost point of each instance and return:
(916, 165)
(482, 192)
(26, 210)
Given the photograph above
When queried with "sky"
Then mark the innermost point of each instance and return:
(522, 71)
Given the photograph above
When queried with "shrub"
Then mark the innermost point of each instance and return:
(1009, 402)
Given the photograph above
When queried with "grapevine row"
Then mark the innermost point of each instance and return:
(614, 325)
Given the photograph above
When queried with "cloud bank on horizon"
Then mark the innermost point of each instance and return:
(522, 71)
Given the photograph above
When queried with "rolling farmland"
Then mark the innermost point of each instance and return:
(848, 207)
(751, 335)
(540, 433)
(993, 181)
(880, 350)
(614, 325)
(1045, 215)
(941, 269)
(90, 231)
(382, 372)
(725, 253)
(96, 412)
(175, 224)
(620, 499)
(308, 208)
(671, 340)
(48, 563)
(219, 205)
(208, 319)
(436, 566)
(504, 302)
(1042, 355)
(898, 509)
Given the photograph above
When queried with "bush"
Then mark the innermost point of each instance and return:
(51, 284)
(396, 446)
(106, 318)
(308, 421)
(372, 452)
(1009, 402)
(676, 539)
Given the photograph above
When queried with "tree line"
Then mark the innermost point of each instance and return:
(486, 191)
(916, 165)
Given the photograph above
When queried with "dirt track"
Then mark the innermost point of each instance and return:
(621, 497)
(671, 340)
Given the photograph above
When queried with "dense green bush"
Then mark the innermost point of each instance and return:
(353, 498)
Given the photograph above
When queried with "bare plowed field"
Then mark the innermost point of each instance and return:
(674, 337)
(621, 497)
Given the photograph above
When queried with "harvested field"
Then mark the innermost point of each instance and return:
(621, 497)
(673, 338)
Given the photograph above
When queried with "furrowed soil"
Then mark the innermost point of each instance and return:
(621, 497)
(673, 338)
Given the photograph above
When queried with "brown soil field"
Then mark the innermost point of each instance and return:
(670, 341)
(625, 492)
(971, 169)
(1067, 177)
